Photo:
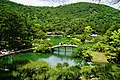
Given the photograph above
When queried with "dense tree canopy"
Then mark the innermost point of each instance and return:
(13, 30)
(73, 17)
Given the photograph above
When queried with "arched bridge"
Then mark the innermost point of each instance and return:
(63, 45)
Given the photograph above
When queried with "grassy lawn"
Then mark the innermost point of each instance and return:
(57, 39)
(99, 57)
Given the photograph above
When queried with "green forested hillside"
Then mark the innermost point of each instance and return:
(73, 16)
(17, 20)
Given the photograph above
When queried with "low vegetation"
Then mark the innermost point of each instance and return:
(40, 70)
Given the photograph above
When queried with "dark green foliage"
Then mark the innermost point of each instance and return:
(13, 30)
(101, 72)
(32, 70)
(73, 41)
(105, 72)
(64, 72)
(71, 18)
(41, 71)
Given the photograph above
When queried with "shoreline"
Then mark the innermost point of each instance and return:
(13, 52)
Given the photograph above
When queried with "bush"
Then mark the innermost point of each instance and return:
(32, 70)
(41, 46)
(101, 47)
(83, 54)
(87, 55)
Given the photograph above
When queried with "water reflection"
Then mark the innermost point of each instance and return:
(61, 55)
(62, 51)
(53, 60)
(57, 58)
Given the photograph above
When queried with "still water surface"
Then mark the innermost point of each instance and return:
(51, 58)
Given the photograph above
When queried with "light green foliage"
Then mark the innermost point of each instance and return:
(68, 31)
(82, 37)
(71, 19)
(16, 31)
(115, 39)
(112, 28)
(99, 38)
(86, 72)
(105, 72)
(110, 44)
(65, 64)
(83, 54)
(115, 43)
(40, 34)
(86, 34)
(87, 55)
(101, 47)
(88, 30)
(78, 52)
(59, 65)
(42, 46)
(41, 71)
(74, 41)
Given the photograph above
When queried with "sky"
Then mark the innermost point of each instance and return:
(55, 3)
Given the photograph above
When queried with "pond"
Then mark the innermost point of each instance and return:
(51, 58)
(54, 59)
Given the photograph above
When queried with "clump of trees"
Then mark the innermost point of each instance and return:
(32, 70)
(41, 70)
(40, 42)
(110, 44)
(82, 54)
(42, 46)
(86, 35)
(14, 31)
